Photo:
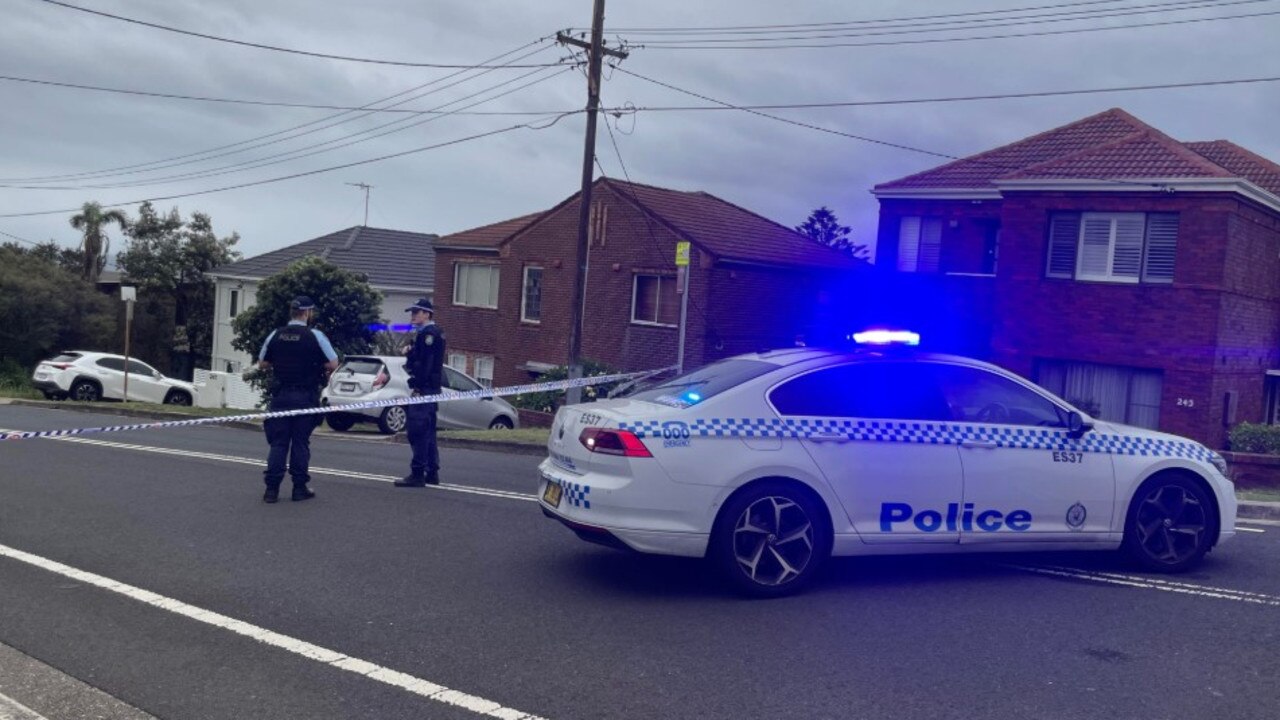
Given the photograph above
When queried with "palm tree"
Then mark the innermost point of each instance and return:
(92, 220)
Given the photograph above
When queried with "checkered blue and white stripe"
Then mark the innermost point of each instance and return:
(930, 433)
(577, 494)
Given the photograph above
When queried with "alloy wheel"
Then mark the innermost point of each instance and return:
(773, 541)
(1170, 525)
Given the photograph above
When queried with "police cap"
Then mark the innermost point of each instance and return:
(302, 302)
(422, 304)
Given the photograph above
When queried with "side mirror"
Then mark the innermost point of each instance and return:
(1076, 426)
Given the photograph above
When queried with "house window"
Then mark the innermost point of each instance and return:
(484, 371)
(919, 244)
(475, 285)
(1107, 392)
(1113, 247)
(653, 301)
(531, 304)
(457, 361)
(235, 304)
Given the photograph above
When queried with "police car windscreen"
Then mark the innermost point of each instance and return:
(706, 382)
(362, 366)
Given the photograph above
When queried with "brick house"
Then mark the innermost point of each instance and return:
(1134, 274)
(503, 291)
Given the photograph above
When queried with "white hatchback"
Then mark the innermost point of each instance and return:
(768, 463)
(89, 376)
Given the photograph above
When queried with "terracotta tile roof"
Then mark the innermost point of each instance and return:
(1106, 146)
(390, 258)
(488, 235)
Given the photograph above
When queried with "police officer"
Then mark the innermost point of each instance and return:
(425, 365)
(300, 358)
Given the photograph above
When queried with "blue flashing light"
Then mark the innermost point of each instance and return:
(375, 327)
(691, 397)
(887, 337)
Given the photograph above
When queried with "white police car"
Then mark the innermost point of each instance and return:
(768, 463)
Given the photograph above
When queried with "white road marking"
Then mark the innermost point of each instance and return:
(417, 686)
(11, 709)
(1246, 529)
(1148, 583)
(466, 489)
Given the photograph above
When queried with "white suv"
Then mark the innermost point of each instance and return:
(90, 376)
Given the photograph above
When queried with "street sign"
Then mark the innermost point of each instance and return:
(682, 253)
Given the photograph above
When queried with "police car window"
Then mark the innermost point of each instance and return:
(111, 363)
(704, 383)
(980, 396)
(880, 390)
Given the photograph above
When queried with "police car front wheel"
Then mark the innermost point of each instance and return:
(770, 539)
(1171, 523)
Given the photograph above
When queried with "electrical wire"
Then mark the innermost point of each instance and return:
(367, 110)
(261, 46)
(282, 178)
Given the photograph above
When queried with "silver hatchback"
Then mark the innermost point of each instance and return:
(366, 378)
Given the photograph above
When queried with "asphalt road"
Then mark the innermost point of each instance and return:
(144, 565)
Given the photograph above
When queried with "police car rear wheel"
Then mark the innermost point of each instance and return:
(1171, 524)
(770, 540)
(392, 420)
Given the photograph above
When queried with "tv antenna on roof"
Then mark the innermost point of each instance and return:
(366, 187)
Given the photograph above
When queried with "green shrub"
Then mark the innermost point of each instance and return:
(1256, 438)
(549, 401)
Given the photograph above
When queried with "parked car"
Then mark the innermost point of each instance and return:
(90, 376)
(366, 378)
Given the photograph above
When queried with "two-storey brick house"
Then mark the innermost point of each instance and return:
(504, 291)
(1134, 274)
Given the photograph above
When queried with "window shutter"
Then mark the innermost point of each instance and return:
(1126, 260)
(1162, 247)
(1064, 235)
(1095, 248)
(930, 245)
(908, 243)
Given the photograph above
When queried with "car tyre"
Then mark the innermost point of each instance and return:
(85, 391)
(770, 540)
(392, 420)
(1171, 524)
(502, 422)
(177, 397)
(339, 422)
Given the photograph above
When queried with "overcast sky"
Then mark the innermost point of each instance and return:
(780, 171)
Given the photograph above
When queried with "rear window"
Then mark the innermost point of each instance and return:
(66, 357)
(361, 367)
(703, 383)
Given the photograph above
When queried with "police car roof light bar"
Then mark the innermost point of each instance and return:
(887, 337)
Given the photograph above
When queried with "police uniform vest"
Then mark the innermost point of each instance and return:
(425, 363)
(296, 358)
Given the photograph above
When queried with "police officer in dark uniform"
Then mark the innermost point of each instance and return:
(425, 365)
(300, 359)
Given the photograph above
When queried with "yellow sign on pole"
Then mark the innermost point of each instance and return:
(682, 253)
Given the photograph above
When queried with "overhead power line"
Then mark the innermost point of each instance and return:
(928, 41)
(289, 133)
(294, 176)
(917, 101)
(19, 239)
(274, 48)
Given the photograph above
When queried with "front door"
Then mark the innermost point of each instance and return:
(1024, 478)
(871, 428)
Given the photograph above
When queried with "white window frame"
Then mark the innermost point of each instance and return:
(1113, 221)
(457, 361)
(524, 295)
(1156, 246)
(657, 313)
(484, 370)
(233, 303)
(919, 244)
(463, 275)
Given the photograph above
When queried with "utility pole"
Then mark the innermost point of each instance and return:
(366, 188)
(595, 52)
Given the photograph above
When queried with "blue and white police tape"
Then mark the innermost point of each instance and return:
(437, 398)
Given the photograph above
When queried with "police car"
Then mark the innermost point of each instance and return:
(768, 463)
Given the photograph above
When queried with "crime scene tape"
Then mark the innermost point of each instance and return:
(437, 398)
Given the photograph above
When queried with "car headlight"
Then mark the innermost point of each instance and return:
(1218, 462)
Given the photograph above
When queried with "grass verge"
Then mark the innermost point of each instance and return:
(1257, 495)
(523, 436)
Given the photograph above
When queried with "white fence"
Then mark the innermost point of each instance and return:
(223, 389)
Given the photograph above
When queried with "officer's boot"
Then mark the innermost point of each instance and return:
(412, 480)
(432, 478)
(272, 494)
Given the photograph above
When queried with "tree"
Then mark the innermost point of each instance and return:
(822, 226)
(92, 221)
(347, 307)
(170, 256)
(69, 259)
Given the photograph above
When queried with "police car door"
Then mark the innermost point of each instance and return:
(870, 427)
(1021, 479)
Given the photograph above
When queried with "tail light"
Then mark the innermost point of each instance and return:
(382, 379)
(59, 366)
(613, 442)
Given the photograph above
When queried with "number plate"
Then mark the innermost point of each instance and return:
(41, 376)
(347, 387)
(552, 494)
